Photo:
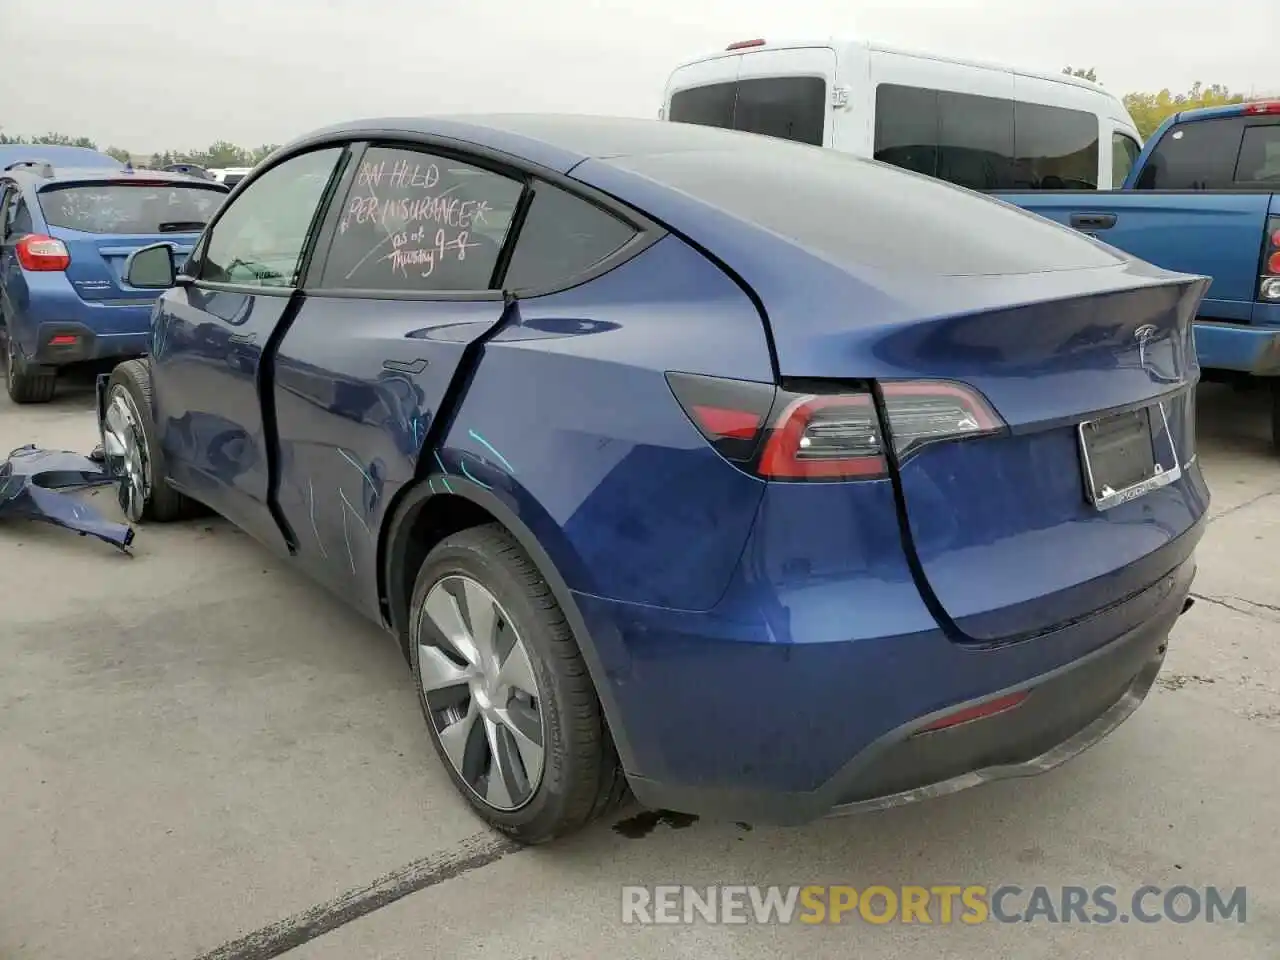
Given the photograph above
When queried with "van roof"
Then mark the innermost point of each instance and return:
(836, 42)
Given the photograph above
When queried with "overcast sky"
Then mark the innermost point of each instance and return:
(155, 74)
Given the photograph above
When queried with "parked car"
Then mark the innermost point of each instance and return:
(64, 238)
(1204, 197)
(769, 481)
(980, 125)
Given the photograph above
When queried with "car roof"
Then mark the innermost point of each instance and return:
(1226, 110)
(557, 141)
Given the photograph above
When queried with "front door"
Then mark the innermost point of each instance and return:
(404, 287)
(210, 334)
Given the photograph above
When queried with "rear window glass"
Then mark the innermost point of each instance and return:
(562, 237)
(709, 106)
(1199, 155)
(1260, 155)
(854, 212)
(793, 108)
(132, 208)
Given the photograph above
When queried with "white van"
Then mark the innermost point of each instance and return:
(982, 126)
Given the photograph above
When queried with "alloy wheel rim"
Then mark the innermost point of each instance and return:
(125, 448)
(481, 692)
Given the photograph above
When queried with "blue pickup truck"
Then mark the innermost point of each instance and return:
(1203, 197)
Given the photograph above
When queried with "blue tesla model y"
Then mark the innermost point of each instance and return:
(757, 479)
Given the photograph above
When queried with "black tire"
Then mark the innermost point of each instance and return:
(581, 778)
(26, 385)
(162, 503)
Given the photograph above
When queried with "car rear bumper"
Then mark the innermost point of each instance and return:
(1238, 346)
(58, 344)
(850, 735)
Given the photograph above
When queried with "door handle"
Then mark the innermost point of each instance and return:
(1093, 221)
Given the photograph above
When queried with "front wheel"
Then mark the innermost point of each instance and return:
(507, 698)
(132, 454)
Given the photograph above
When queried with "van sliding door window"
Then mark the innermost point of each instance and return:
(975, 141)
(792, 108)
(709, 106)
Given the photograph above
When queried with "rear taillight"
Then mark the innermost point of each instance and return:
(38, 253)
(1263, 108)
(819, 432)
(1269, 283)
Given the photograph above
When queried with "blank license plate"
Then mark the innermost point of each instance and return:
(1119, 457)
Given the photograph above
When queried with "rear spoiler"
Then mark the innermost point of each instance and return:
(42, 168)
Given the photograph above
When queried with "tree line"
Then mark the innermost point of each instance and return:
(1148, 110)
(217, 155)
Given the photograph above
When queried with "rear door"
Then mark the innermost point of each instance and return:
(363, 373)
(102, 222)
(211, 333)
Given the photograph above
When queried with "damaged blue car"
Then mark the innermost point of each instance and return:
(764, 481)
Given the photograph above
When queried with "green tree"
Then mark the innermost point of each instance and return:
(120, 153)
(261, 153)
(1149, 110)
(1090, 74)
(62, 140)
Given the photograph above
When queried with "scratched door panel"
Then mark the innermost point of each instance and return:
(358, 383)
(207, 349)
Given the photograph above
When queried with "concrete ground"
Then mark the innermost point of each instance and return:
(204, 756)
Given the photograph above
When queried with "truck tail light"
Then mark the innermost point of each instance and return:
(40, 254)
(1269, 283)
(788, 434)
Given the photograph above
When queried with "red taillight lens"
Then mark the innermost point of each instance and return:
(1265, 108)
(824, 438)
(805, 435)
(38, 253)
(923, 412)
(1275, 238)
(1273, 264)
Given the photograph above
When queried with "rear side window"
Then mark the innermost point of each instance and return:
(1124, 154)
(1200, 155)
(563, 236)
(986, 143)
(419, 223)
(1057, 149)
(975, 141)
(131, 208)
(709, 106)
(18, 219)
(907, 128)
(1260, 155)
(792, 108)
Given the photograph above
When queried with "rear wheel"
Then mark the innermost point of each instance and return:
(26, 384)
(132, 454)
(505, 692)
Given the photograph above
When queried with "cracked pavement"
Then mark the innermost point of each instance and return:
(206, 756)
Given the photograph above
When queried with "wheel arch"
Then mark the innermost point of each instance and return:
(438, 505)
